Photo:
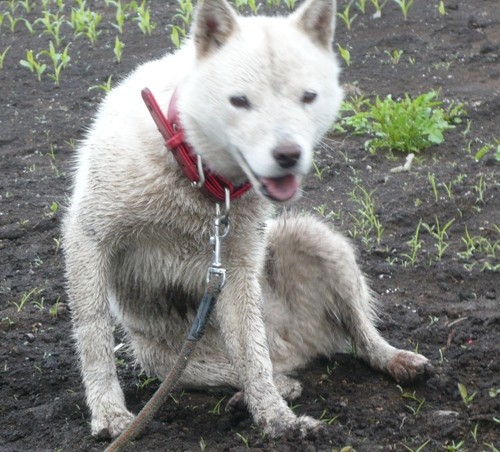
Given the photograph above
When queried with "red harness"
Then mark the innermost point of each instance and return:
(213, 185)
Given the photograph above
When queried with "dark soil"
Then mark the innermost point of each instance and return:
(449, 308)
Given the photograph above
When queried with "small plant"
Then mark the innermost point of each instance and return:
(345, 54)
(419, 448)
(52, 24)
(106, 87)
(405, 6)
(408, 125)
(366, 222)
(487, 148)
(441, 8)
(415, 245)
(346, 16)
(25, 297)
(216, 409)
(2, 56)
(415, 407)
(328, 420)
(361, 5)
(33, 65)
(143, 19)
(440, 233)
(466, 397)
(432, 179)
(480, 188)
(394, 56)
(244, 439)
(378, 7)
(318, 172)
(59, 61)
(118, 49)
(203, 444)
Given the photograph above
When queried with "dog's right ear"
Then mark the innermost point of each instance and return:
(215, 21)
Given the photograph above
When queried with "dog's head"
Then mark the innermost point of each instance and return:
(262, 93)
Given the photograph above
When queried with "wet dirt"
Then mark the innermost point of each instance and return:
(448, 308)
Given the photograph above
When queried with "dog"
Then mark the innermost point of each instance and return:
(253, 95)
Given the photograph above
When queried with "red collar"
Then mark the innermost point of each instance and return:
(170, 127)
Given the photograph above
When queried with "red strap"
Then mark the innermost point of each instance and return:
(171, 130)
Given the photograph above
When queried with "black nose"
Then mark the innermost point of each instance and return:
(287, 154)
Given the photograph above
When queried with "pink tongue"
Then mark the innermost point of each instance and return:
(280, 188)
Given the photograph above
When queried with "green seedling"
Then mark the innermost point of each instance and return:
(394, 56)
(466, 397)
(319, 172)
(327, 420)
(440, 234)
(184, 12)
(415, 245)
(54, 309)
(432, 179)
(487, 148)
(454, 447)
(216, 409)
(118, 49)
(13, 21)
(345, 54)
(33, 65)
(144, 381)
(59, 61)
(177, 35)
(415, 407)
(85, 23)
(244, 439)
(25, 297)
(405, 6)
(378, 7)
(39, 304)
(367, 220)
(290, 4)
(52, 24)
(202, 443)
(473, 432)
(346, 16)
(419, 448)
(26, 4)
(120, 15)
(480, 189)
(361, 5)
(106, 87)
(143, 19)
(441, 8)
(3, 55)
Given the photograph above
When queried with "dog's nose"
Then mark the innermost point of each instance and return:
(287, 154)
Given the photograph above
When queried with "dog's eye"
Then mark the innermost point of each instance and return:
(309, 97)
(240, 102)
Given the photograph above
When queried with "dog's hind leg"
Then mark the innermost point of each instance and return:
(318, 302)
(87, 271)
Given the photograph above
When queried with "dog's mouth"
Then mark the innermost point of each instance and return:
(279, 189)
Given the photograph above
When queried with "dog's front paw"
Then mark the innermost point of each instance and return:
(111, 423)
(408, 366)
(292, 427)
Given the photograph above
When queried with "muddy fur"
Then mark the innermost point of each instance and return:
(136, 232)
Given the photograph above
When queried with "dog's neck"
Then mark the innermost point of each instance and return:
(213, 185)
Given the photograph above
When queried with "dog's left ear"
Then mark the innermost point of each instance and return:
(215, 21)
(317, 19)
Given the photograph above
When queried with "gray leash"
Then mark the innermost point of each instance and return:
(216, 278)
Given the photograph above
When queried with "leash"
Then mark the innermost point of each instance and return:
(215, 280)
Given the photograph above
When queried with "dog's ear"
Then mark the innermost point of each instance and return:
(215, 21)
(317, 19)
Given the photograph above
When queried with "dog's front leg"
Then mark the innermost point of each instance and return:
(239, 313)
(87, 271)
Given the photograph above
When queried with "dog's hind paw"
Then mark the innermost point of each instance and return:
(407, 366)
(110, 424)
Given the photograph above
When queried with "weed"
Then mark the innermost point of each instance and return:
(466, 397)
(417, 404)
(480, 189)
(243, 438)
(432, 179)
(473, 432)
(406, 125)
(216, 409)
(454, 447)
(25, 297)
(144, 381)
(487, 148)
(366, 221)
(415, 245)
(327, 420)
(419, 448)
(440, 234)
(318, 172)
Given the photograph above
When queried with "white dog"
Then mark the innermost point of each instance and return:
(253, 96)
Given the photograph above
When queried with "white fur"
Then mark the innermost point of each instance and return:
(136, 233)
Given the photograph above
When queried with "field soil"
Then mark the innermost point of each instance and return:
(447, 306)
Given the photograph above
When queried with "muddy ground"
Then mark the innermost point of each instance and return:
(448, 308)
